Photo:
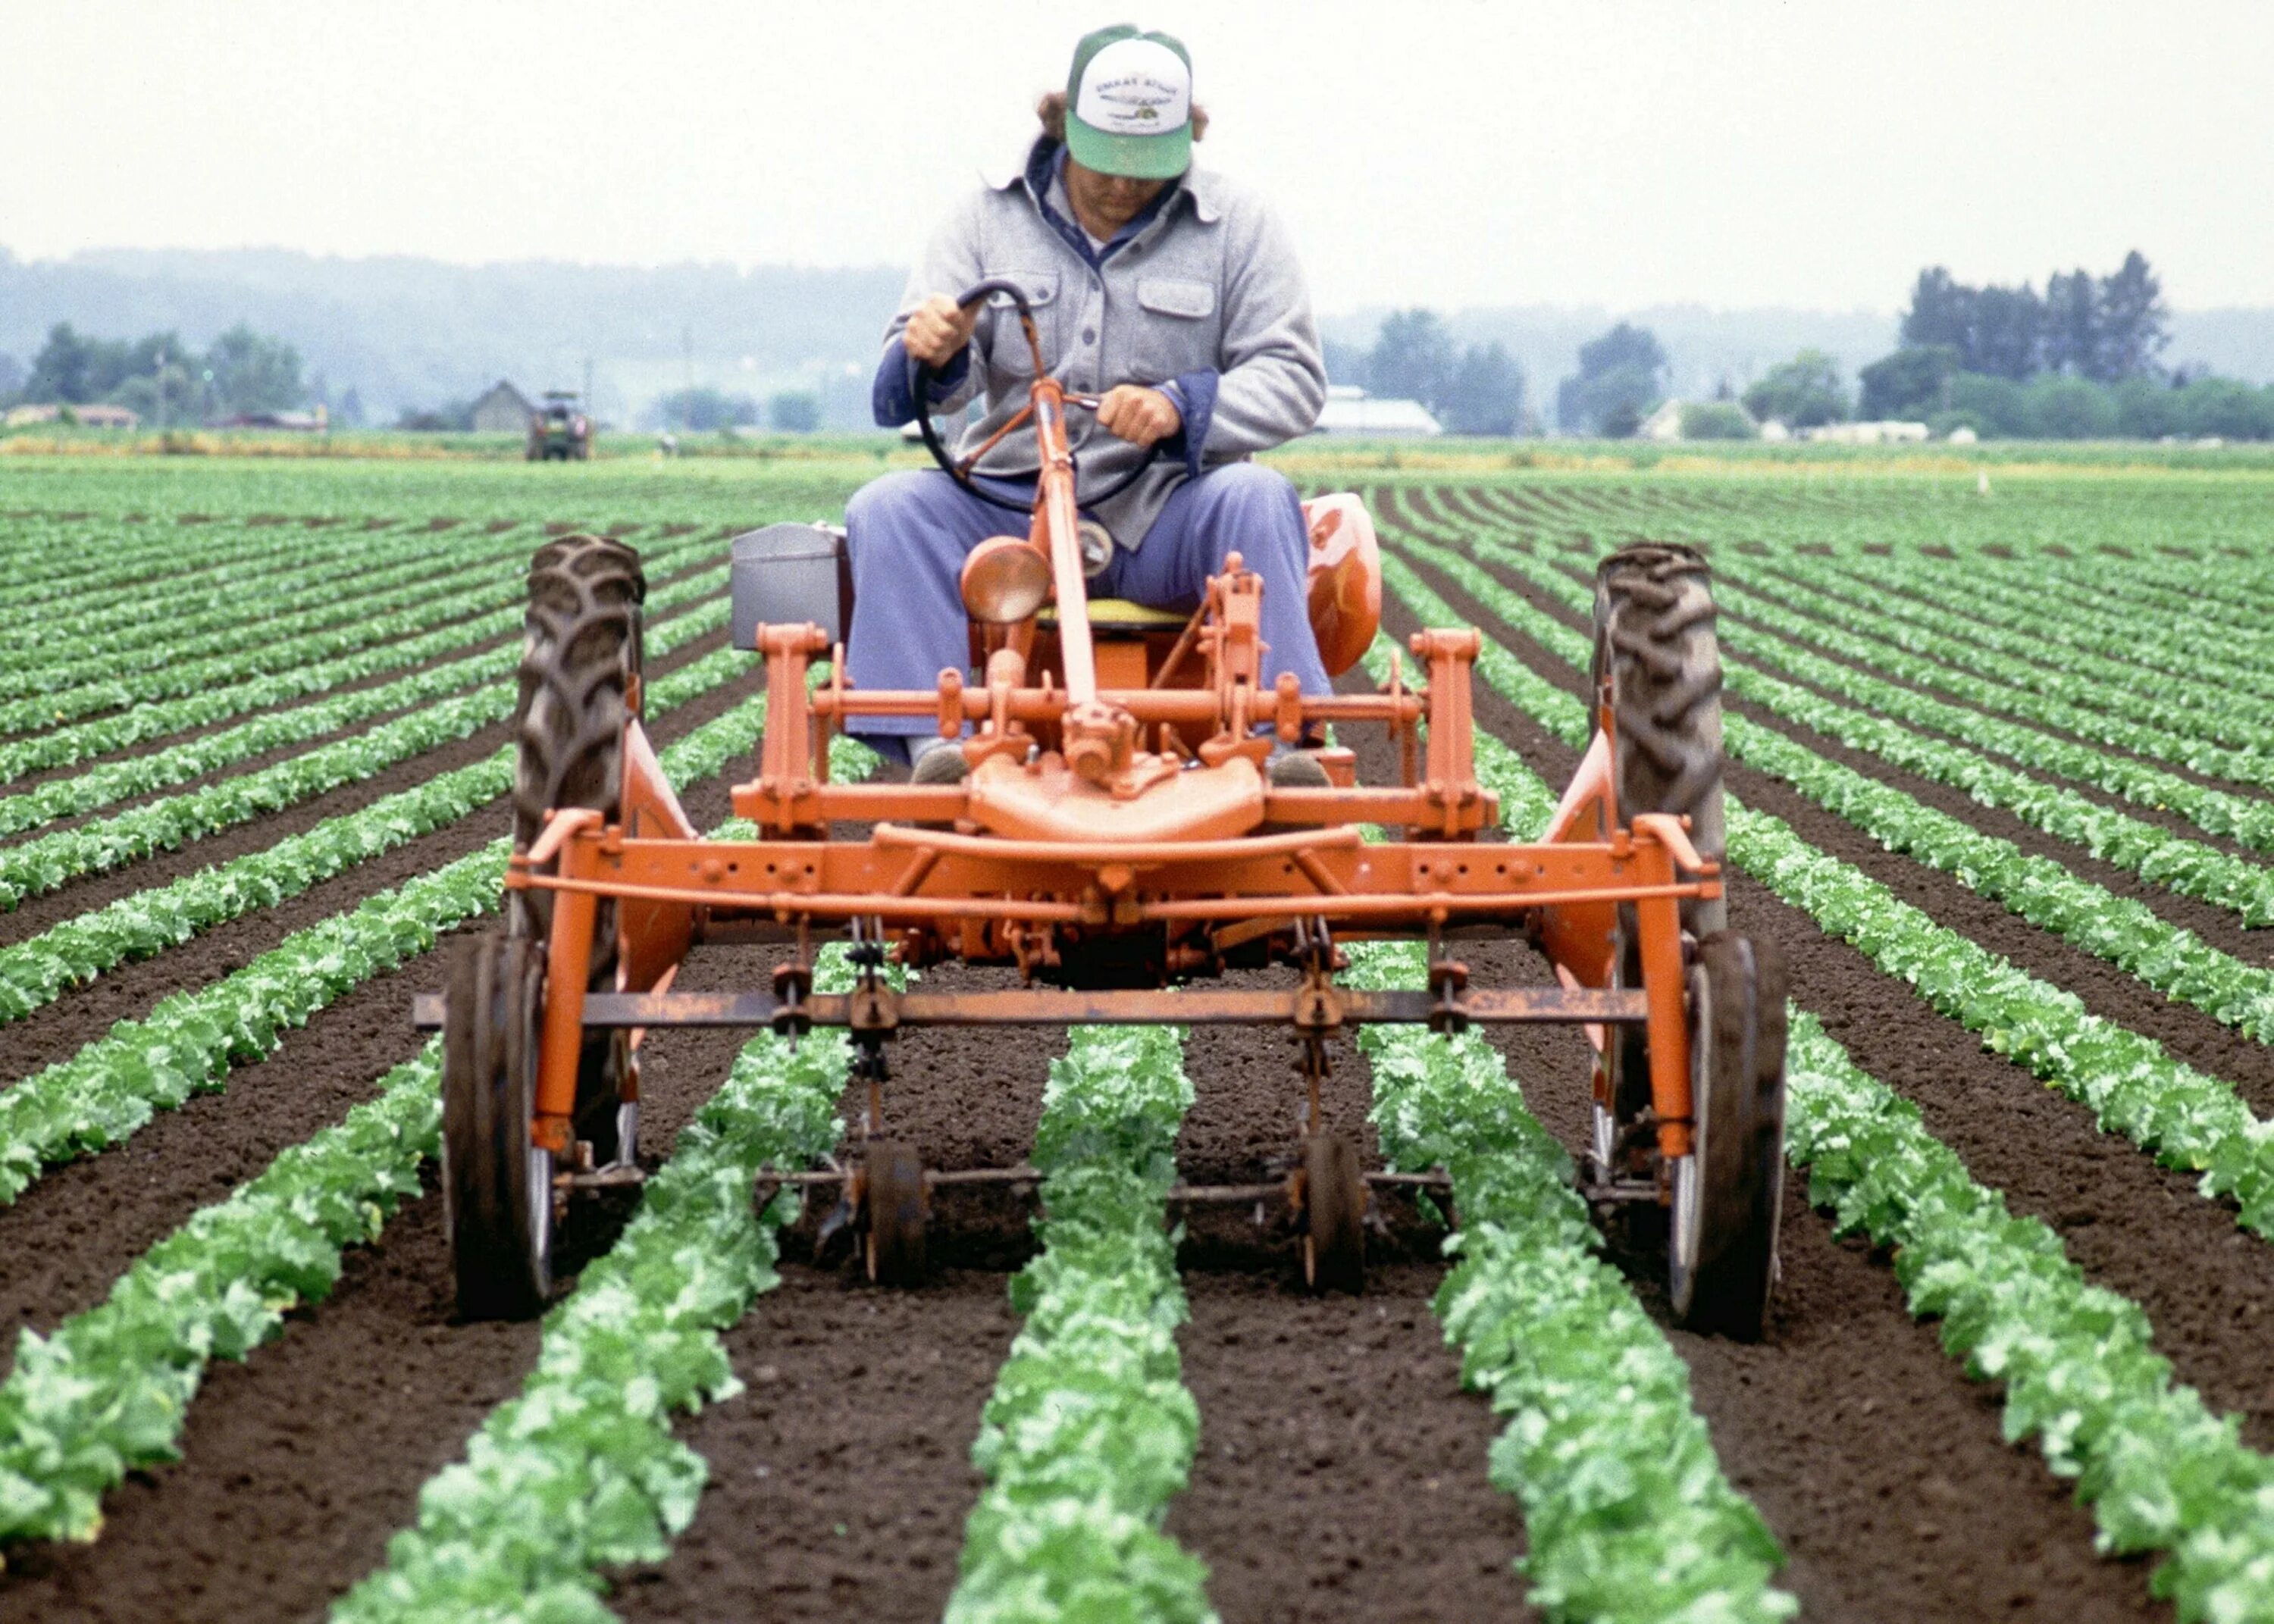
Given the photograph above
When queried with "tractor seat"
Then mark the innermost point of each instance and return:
(1118, 614)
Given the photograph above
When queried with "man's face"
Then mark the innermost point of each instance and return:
(1110, 201)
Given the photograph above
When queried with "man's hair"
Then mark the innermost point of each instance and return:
(1051, 109)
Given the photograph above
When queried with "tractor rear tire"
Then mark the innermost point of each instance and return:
(1729, 1193)
(497, 1187)
(580, 662)
(1655, 646)
(1334, 1215)
(894, 1208)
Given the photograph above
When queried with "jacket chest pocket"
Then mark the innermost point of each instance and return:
(1179, 328)
(1007, 356)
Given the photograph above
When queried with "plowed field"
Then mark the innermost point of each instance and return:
(2005, 768)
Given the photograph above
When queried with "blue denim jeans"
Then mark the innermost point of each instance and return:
(909, 534)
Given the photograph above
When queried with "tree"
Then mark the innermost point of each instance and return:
(2072, 409)
(2009, 339)
(1802, 393)
(2071, 325)
(702, 410)
(349, 416)
(790, 413)
(1912, 382)
(253, 372)
(1941, 313)
(1486, 396)
(1412, 358)
(1716, 420)
(11, 376)
(1346, 362)
(1617, 382)
(67, 368)
(2131, 320)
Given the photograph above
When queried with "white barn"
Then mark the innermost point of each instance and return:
(1352, 411)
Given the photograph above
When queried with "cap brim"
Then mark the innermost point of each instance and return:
(1140, 157)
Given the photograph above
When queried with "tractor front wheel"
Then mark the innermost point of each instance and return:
(579, 661)
(1721, 1245)
(498, 1185)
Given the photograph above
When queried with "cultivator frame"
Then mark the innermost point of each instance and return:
(1116, 840)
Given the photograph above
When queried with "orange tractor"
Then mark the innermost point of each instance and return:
(1118, 839)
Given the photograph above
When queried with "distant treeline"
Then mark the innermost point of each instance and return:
(164, 380)
(2078, 361)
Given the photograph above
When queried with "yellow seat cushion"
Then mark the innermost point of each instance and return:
(1119, 615)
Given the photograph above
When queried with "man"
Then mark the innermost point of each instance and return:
(1158, 287)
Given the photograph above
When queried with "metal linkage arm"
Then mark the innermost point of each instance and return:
(1050, 1007)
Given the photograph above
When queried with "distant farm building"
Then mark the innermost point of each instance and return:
(1881, 433)
(503, 411)
(1663, 424)
(297, 422)
(86, 416)
(1352, 411)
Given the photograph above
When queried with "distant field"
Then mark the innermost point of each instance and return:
(1448, 452)
(2006, 763)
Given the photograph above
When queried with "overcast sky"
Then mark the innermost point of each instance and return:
(1472, 152)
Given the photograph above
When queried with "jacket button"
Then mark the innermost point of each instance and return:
(1090, 336)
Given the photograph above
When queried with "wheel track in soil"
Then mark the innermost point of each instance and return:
(2135, 1228)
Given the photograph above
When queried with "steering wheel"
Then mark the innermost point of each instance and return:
(922, 374)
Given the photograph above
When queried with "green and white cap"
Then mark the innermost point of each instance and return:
(1129, 104)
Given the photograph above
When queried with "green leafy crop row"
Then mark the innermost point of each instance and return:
(2145, 651)
(1090, 1431)
(107, 1393)
(99, 735)
(71, 651)
(252, 658)
(2185, 1117)
(1627, 1513)
(113, 572)
(43, 864)
(38, 969)
(1842, 629)
(2184, 722)
(136, 775)
(2078, 1363)
(107, 1090)
(2080, 1372)
(2221, 812)
(581, 1472)
(2183, 865)
(2120, 929)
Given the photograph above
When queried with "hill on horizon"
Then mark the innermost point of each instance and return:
(409, 332)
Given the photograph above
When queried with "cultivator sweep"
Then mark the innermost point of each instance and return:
(1120, 842)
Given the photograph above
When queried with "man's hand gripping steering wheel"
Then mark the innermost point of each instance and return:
(940, 326)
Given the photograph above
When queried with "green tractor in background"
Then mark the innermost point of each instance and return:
(558, 431)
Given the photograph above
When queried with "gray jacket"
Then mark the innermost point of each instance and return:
(1203, 296)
